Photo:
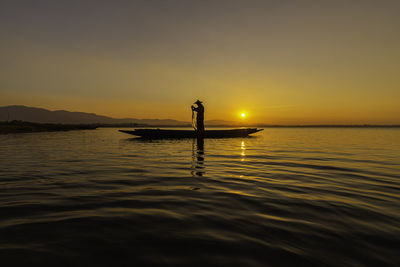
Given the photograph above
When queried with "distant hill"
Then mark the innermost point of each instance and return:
(40, 115)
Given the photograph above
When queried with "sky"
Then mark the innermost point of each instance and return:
(279, 62)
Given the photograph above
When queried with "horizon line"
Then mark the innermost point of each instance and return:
(128, 124)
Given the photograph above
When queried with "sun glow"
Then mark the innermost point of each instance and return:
(243, 115)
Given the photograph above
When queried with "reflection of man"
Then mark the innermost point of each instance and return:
(198, 159)
(200, 115)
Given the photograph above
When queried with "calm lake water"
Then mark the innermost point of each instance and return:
(285, 197)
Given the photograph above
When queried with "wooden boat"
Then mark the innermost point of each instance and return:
(162, 133)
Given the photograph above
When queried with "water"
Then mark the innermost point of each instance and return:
(286, 197)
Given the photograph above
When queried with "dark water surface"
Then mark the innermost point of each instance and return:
(286, 197)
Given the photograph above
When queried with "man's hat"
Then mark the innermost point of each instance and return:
(198, 102)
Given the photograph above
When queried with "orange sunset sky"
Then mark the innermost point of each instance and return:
(280, 62)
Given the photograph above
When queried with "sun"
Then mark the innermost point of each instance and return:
(243, 115)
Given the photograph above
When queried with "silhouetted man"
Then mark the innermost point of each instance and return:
(200, 115)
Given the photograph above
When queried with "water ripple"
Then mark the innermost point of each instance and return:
(288, 197)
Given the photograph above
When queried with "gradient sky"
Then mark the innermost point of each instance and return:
(288, 62)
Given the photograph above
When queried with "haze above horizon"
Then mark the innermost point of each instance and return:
(279, 62)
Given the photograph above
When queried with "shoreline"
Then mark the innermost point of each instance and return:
(32, 127)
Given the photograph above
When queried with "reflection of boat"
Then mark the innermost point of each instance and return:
(161, 133)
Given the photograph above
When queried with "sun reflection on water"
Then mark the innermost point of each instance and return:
(243, 150)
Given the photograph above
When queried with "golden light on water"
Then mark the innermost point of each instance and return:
(243, 148)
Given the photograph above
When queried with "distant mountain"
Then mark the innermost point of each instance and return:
(32, 114)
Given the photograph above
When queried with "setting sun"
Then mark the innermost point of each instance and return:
(243, 115)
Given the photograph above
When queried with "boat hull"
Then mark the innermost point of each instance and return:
(173, 134)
